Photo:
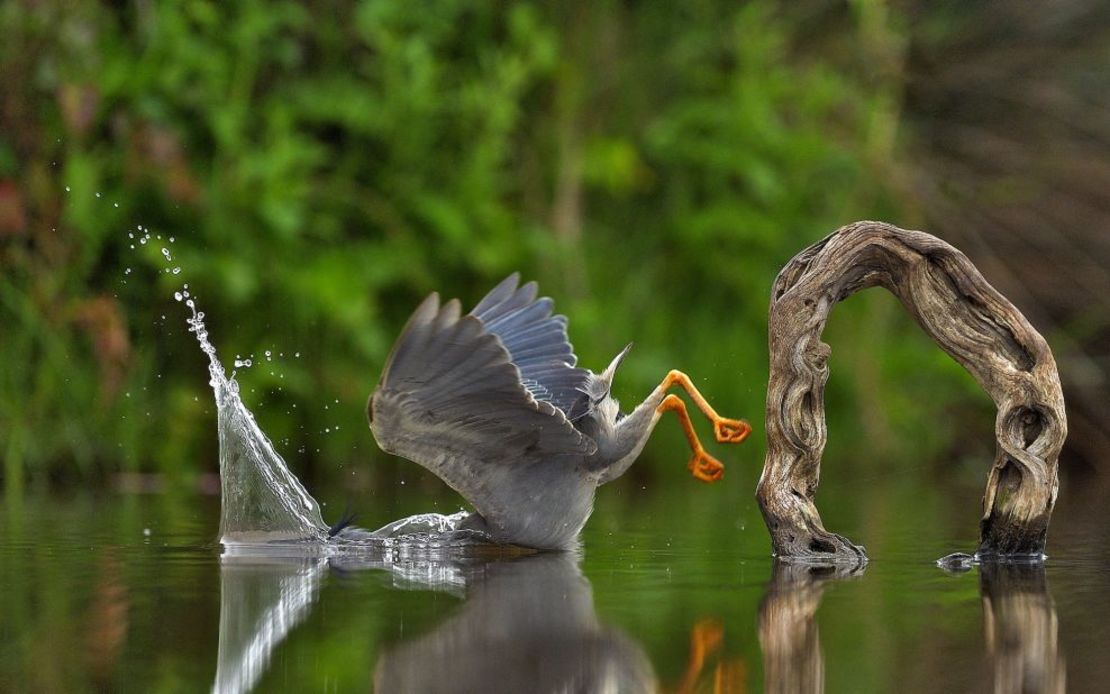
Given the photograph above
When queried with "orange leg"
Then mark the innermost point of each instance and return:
(726, 430)
(702, 465)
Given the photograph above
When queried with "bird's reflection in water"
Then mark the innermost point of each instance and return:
(1021, 629)
(528, 624)
(788, 635)
(267, 590)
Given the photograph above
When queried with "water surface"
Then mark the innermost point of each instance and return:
(673, 590)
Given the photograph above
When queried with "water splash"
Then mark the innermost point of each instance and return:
(261, 500)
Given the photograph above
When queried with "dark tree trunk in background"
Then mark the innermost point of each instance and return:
(1005, 112)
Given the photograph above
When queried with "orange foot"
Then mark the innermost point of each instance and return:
(705, 467)
(731, 430)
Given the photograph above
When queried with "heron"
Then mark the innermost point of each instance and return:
(492, 403)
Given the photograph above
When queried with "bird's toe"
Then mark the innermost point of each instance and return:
(706, 468)
(731, 430)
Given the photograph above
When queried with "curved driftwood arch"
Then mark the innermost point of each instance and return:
(970, 321)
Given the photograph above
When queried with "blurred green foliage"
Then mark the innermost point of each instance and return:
(314, 170)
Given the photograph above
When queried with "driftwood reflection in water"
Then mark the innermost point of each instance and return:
(788, 634)
(1019, 623)
(1021, 628)
(528, 624)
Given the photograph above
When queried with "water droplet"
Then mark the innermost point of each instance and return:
(98, 195)
(127, 271)
(166, 253)
(143, 240)
(177, 270)
(67, 189)
(171, 239)
(115, 204)
(130, 234)
(177, 295)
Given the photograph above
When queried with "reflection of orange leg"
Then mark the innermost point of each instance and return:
(702, 465)
(730, 677)
(705, 639)
(726, 430)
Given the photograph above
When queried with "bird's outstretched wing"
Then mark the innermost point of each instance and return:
(451, 399)
(536, 341)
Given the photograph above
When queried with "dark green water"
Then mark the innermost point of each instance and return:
(674, 591)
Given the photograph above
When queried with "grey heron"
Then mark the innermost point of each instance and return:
(493, 404)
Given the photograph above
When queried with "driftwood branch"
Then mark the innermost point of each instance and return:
(970, 321)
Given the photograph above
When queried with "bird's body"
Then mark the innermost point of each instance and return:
(493, 403)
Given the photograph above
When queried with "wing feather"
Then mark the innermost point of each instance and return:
(535, 340)
(451, 399)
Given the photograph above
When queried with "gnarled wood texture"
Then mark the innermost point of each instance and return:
(970, 321)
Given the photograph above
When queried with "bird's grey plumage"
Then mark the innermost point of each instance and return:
(536, 341)
(493, 404)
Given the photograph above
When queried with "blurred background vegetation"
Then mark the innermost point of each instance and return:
(315, 169)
